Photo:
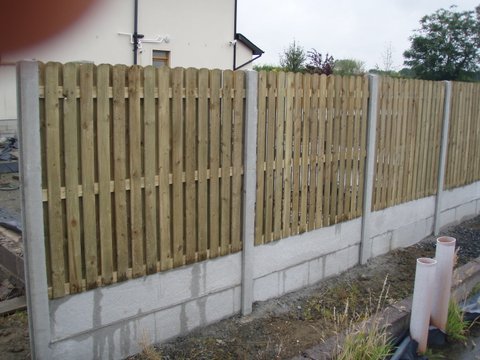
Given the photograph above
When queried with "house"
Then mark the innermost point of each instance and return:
(187, 33)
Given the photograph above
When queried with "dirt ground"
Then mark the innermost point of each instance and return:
(9, 197)
(278, 328)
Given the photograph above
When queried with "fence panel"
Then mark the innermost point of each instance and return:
(463, 162)
(408, 140)
(311, 152)
(142, 170)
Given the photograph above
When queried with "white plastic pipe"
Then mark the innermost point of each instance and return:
(422, 301)
(445, 256)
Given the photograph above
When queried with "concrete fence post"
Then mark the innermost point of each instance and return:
(369, 176)
(443, 157)
(32, 210)
(249, 189)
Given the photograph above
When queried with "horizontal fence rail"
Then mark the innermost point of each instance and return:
(463, 160)
(408, 140)
(142, 170)
(311, 152)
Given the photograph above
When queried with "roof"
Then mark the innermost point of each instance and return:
(255, 49)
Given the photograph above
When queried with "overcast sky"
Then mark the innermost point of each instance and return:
(355, 29)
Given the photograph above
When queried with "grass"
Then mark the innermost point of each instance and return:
(457, 327)
(148, 350)
(369, 340)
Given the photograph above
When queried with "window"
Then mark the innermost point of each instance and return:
(160, 58)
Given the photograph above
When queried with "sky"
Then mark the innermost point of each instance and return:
(345, 29)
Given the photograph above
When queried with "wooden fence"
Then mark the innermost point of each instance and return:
(408, 140)
(311, 152)
(463, 160)
(142, 170)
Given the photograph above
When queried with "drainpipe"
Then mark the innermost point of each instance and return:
(422, 302)
(135, 36)
(234, 34)
(445, 256)
(248, 62)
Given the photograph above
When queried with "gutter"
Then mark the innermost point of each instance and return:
(255, 49)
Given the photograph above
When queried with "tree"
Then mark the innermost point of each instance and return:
(446, 47)
(293, 58)
(387, 58)
(318, 65)
(349, 67)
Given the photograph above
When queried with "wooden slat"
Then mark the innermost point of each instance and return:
(177, 167)
(279, 156)
(418, 138)
(226, 162)
(104, 177)
(403, 112)
(395, 151)
(55, 217)
(71, 149)
(407, 108)
(305, 145)
(342, 148)
(214, 211)
(150, 156)
(190, 166)
(297, 134)
(416, 135)
(135, 152)
(383, 141)
(202, 164)
(433, 152)
(466, 161)
(237, 163)
(164, 168)
(314, 158)
(328, 151)
(363, 147)
(88, 174)
(335, 149)
(356, 151)
(287, 183)
(319, 221)
(426, 146)
(457, 136)
(349, 162)
(269, 154)
(119, 172)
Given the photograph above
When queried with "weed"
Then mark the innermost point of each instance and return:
(457, 327)
(475, 290)
(432, 355)
(148, 350)
(370, 339)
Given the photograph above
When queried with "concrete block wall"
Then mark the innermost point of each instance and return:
(400, 226)
(113, 321)
(460, 204)
(298, 261)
